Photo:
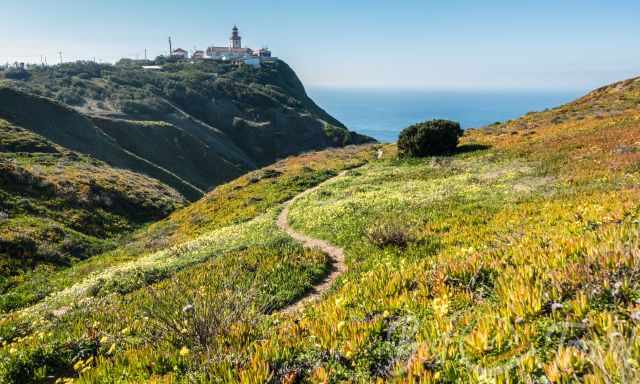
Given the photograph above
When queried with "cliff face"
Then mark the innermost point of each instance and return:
(192, 126)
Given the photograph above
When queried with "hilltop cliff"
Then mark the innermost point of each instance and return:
(190, 125)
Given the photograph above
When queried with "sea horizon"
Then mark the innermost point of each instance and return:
(383, 113)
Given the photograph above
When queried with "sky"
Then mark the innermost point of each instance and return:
(419, 44)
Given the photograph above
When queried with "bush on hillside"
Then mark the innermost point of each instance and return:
(389, 233)
(17, 74)
(430, 138)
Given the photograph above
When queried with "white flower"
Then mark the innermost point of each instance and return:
(635, 316)
(188, 308)
(556, 306)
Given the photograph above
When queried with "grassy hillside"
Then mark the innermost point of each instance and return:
(70, 129)
(196, 124)
(57, 206)
(514, 260)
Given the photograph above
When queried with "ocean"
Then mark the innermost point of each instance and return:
(382, 114)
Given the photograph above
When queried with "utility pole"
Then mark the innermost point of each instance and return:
(60, 55)
(145, 54)
(170, 47)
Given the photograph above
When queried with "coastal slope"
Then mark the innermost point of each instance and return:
(512, 260)
(190, 125)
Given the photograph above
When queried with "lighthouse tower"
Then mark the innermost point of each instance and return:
(235, 41)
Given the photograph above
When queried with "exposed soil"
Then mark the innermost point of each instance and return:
(336, 254)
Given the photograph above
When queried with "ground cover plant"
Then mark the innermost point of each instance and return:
(245, 235)
(513, 260)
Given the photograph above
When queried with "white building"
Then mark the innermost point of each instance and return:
(226, 53)
(235, 51)
(180, 53)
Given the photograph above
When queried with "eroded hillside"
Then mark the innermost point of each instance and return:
(191, 125)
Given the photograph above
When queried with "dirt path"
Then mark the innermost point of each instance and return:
(338, 266)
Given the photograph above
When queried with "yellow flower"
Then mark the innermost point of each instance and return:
(78, 365)
(126, 331)
(385, 314)
(341, 325)
(184, 351)
(112, 349)
(104, 339)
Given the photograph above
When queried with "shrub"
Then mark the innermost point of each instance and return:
(17, 74)
(430, 138)
(70, 96)
(203, 313)
(389, 233)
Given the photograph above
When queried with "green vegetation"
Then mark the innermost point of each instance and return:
(430, 138)
(512, 260)
(192, 126)
(58, 207)
(236, 238)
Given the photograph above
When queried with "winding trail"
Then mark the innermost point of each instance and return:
(336, 254)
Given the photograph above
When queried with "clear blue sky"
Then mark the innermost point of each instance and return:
(490, 44)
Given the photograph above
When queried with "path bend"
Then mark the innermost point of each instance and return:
(336, 254)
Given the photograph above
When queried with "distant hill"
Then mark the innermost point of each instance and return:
(611, 100)
(192, 126)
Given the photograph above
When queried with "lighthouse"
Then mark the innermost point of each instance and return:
(235, 41)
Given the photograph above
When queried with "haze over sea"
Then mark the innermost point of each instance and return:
(382, 114)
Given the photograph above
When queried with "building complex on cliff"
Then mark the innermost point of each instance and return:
(233, 52)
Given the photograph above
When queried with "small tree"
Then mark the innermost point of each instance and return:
(429, 138)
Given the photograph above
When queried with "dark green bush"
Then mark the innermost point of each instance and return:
(17, 74)
(70, 96)
(429, 138)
